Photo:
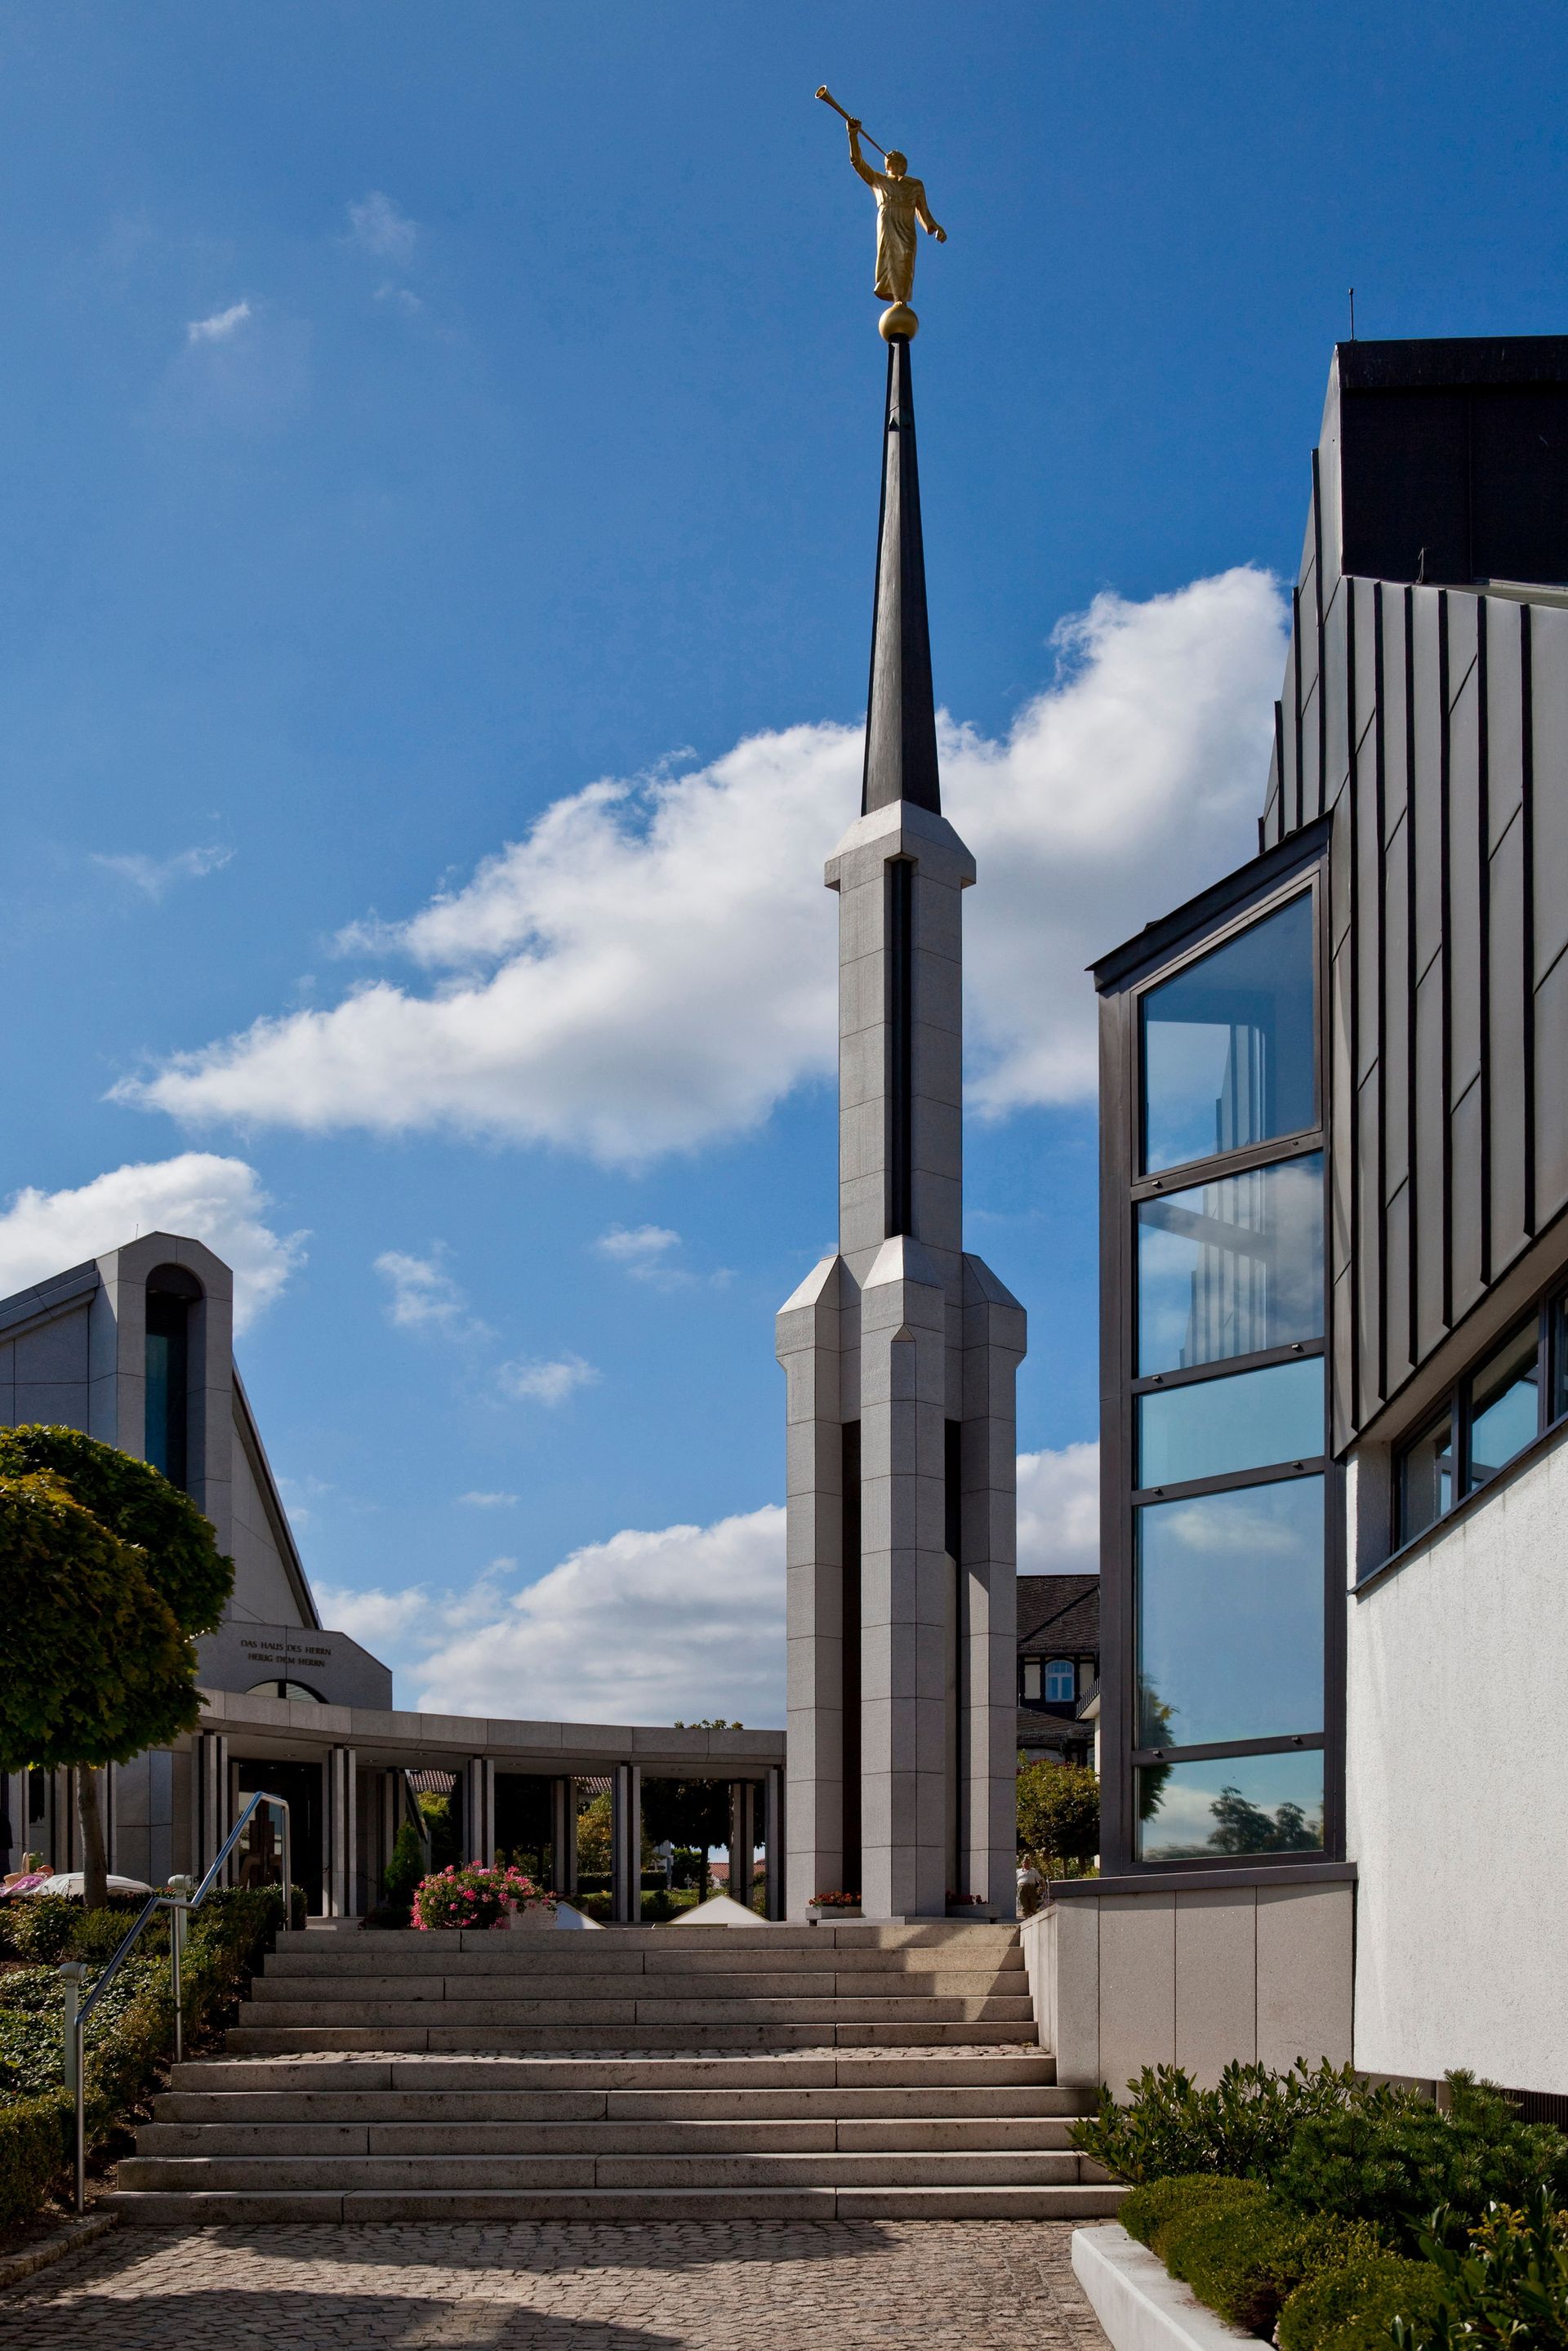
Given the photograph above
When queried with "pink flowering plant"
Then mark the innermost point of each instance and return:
(476, 1897)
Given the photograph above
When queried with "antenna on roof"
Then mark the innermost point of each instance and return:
(1353, 314)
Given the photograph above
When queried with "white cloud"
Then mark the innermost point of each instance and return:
(380, 1620)
(423, 1294)
(218, 1201)
(152, 875)
(638, 1249)
(1059, 1511)
(376, 224)
(684, 1621)
(220, 326)
(654, 1624)
(653, 966)
(400, 298)
(547, 1383)
(489, 1501)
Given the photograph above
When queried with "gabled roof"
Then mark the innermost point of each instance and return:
(1059, 1613)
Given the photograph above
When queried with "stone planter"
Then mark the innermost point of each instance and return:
(816, 1912)
(533, 1918)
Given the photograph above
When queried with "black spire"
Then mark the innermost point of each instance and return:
(901, 716)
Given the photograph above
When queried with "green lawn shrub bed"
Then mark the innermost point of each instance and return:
(1336, 2215)
(129, 2037)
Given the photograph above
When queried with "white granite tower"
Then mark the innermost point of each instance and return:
(900, 1352)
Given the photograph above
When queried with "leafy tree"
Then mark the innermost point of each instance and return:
(405, 1867)
(1241, 1826)
(594, 1836)
(106, 1573)
(693, 1813)
(1059, 1813)
(436, 1813)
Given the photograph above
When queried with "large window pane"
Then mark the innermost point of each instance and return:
(1247, 1421)
(1228, 1053)
(1230, 1616)
(1232, 1267)
(1504, 1405)
(1426, 1477)
(1235, 1804)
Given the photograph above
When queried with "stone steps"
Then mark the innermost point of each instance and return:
(694, 2136)
(461, 2078)
(186, 2209)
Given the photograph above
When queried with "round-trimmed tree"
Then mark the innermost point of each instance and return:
(106, 1573)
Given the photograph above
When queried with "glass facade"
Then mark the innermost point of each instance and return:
(1237, 1805)
(1224, 1415)
(1209, 1428)
(1232, 1268)
(1515, 1394)
(167, 1372)
(1230, 1047)
(1230, 1615)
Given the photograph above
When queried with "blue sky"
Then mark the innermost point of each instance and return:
(414, 418)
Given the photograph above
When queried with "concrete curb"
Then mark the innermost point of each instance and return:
(1138, 2303)
(15, 2267)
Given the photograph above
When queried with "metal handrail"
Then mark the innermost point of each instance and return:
(181, 1903)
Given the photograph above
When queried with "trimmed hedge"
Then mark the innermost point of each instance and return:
(1354, 2307)
(34, 2142)
(1148, 2212)
(125, 2053)
(1241, 2252)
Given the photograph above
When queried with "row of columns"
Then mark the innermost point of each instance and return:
(755, 1817)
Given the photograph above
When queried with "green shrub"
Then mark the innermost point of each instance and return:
(1149, 2212)
(405, 1868)
(1505, 2282)
(35, 2137)
(1245, 2261)
(1393, 2157)
(42, 1926)
(1243, 2127)
(1353, 2306)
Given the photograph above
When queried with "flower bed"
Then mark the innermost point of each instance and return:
(1337, 2215)
(478, 1896)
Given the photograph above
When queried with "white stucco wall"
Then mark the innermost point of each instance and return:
(1457, 1764)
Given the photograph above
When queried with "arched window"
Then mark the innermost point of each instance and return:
(170, 1293)
(1060, 1682)
(300, 1690)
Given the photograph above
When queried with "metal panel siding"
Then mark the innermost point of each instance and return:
(1464, 619)
(1335, 693)
(1551, 1091)
(1368, 1265)
(1505, 745)
(1426, 784)
(1548, 743)
(1289, 769)
(1311, 753)
(1506, 1030)
(1465, 876)
(1341, 1158)
(1394, 706)
(1431, 1161)
(1465, 1226)
(1397, 1014)
(1342, 1362)
(1398, 1360)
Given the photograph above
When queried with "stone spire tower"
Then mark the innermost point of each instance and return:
(900, 1352)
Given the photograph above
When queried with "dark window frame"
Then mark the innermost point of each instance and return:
(1550, 1412)
(1124, 979)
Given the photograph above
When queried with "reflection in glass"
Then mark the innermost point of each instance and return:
(1250, 1420)
(1426, 1477)
(1235, 1804)
(1232, 1267)
(1560, 1359)
(1230, 1615)
(1228, 1044)
(1505, 1402)
(1060, 1682)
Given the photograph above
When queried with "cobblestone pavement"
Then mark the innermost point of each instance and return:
(802, 2286)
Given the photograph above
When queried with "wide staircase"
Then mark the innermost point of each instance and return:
(647, 2073)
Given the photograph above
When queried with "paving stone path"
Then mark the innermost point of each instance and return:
(803, 2286)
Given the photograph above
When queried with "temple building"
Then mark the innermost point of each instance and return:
(135, 1347)
(1335, 1326)
(901, 1351)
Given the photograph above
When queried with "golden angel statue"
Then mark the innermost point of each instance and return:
(900, 203)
